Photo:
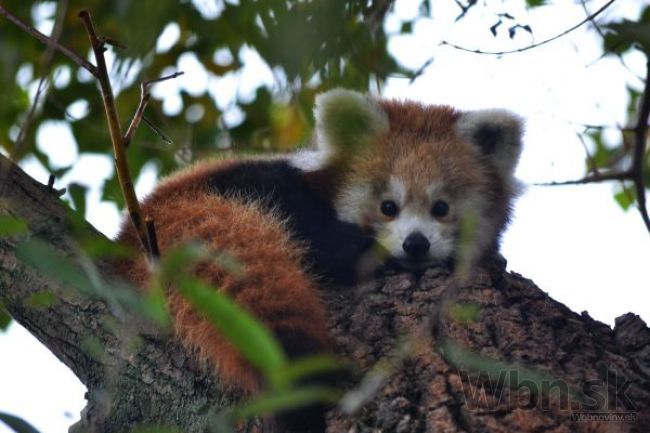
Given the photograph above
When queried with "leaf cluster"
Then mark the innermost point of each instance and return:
(308, 46)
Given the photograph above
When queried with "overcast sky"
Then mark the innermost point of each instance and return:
(574, 242)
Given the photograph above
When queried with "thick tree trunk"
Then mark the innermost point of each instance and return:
(480, 363)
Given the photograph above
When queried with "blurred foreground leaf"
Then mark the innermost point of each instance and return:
(299, 369)
(514, 375)
(285, 399)
(246, 333)
(42, 257)
(5, 318)
(625, 197)
(17, 424)
(84, 277)
(625, 34)
(11, 226)
(42, 299)
(465, 313)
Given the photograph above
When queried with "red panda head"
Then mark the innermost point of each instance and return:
(425, 179)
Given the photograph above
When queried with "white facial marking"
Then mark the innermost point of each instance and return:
(434, 191)
(310, 160)
(351, 204)
(393, 234)
(396, 191)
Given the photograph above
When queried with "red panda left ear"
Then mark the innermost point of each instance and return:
(497, 133)
(346, 120)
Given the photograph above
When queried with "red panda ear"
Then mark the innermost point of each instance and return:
(346, 120)
(497, 133)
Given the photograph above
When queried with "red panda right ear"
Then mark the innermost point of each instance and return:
(345, 121)
(497, 134)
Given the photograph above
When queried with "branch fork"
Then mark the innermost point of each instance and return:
(144, 226)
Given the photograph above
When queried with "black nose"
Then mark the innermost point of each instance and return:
(416, 245)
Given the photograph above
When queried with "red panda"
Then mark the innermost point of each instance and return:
(384, 175)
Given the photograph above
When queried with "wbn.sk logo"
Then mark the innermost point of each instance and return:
(598, 399)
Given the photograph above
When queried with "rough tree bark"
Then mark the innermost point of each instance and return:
(518, 327)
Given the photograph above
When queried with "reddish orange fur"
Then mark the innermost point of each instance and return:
(274, 286)
(420, 146)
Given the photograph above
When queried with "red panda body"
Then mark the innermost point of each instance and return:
(241, 207)
(385, 176)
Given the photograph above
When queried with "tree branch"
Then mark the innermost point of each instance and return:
(640, 139)
(117, 139)
(152, 382)
(635, 173)
(593, 178)
(50, 42)
(155, 382)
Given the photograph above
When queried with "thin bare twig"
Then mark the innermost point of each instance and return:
(46, 65)
(50, 42)
(601, 33)
(24, 129)
(538, 44)
(593, 178)
(640, 137)
(156, 130)
(50, 186)
(636, 171)
(593, 166)
(144, 100)
(50, 182)
(590, 17)
(119, 150)
(112, 42)
(153, 240)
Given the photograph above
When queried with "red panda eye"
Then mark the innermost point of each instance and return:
(440, 209)
(389, 208)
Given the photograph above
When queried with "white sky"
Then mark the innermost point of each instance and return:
(574, 242)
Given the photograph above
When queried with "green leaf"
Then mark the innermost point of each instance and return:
(246, 333)
(41, 299)
(78, 196)
(285, 399)
(155, 307)
(18, 425)
(470, 362)
(40, 256)
(464, 256)
(633, 101)
(94, 347)
(11, 226)
(535, 3)
(465, 313)
(180, 258)
(100, 247)
(624, 34)
(625, 198)
(407, 27)
(5, 318)
(299, 369)
(85, 279)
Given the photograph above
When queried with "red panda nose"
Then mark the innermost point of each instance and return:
(416, 245)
